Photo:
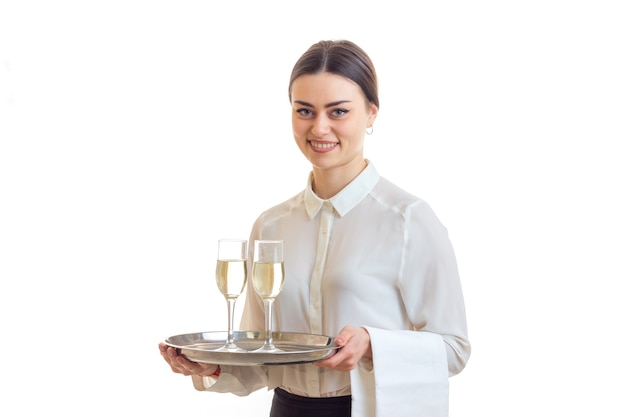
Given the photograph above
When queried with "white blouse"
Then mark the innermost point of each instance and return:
(372, 256)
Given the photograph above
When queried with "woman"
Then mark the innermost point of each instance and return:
(364, 260)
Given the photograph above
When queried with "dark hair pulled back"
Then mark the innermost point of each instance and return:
(341, 57)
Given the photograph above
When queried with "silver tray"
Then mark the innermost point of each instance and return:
(296, 348)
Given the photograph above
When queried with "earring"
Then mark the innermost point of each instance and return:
(370, 131)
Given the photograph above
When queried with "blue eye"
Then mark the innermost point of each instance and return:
(339, 112)
(304, 112)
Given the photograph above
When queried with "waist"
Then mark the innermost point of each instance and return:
(286, 404)
(295, 396)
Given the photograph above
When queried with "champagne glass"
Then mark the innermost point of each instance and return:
(231, 276)
(268, 274)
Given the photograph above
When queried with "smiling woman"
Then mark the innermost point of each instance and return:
(122, 121)
(330, 116)
(365, 262)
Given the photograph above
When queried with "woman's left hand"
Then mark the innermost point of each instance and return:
(355, 345)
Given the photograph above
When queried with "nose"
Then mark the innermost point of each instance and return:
(321, 125)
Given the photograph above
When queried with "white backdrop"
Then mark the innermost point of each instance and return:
(134, 134)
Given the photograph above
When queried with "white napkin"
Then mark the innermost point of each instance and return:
(409, 376)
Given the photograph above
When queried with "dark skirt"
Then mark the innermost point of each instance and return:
(286, 404)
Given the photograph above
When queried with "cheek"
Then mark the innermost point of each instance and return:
(353, 130)
(299, 128)
(299, 133)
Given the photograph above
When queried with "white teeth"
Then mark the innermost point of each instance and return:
(323, 145)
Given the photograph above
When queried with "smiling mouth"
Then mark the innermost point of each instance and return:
(323, 145)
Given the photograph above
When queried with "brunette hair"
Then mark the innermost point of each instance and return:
(340, 57)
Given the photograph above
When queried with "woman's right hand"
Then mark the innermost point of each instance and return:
(182, 365)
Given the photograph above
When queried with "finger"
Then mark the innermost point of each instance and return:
(345, 335)
(171, 354)
(337, 357)
(185, 367)
(173, 359)
(168, 354)
(195, 368)
(334, 360)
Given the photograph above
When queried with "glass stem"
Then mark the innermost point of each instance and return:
(269, 341)
(230, 342)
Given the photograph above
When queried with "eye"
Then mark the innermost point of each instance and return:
(339, 112)
(304, 112)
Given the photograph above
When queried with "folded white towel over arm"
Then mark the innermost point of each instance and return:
(409, 376)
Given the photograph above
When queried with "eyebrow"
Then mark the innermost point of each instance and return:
(334, 103)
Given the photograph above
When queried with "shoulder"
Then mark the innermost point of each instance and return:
(412, 207)
(281, 209)
(391, 195)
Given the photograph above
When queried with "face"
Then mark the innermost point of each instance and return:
(329, 116)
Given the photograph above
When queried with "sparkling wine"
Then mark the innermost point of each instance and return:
(231, 277)
(268, 278)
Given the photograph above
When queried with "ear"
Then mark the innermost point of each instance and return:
(373, 113)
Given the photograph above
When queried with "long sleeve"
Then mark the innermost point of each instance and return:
(238, 380)
(410, 368)
(430, 285)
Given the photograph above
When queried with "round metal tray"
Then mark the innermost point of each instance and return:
(295, 348)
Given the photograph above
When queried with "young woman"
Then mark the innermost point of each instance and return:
(365, 262)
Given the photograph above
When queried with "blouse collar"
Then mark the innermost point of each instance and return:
(346, 199)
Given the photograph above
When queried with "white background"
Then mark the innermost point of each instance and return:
(134, 134)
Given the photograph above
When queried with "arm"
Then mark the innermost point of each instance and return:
(431, 287)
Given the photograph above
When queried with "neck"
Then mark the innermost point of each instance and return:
(329, 182)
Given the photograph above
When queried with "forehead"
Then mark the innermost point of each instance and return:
(324, 87)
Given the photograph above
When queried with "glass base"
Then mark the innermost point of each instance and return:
(230, 348)
(268, 348)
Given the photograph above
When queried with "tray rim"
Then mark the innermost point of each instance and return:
(309, 353)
